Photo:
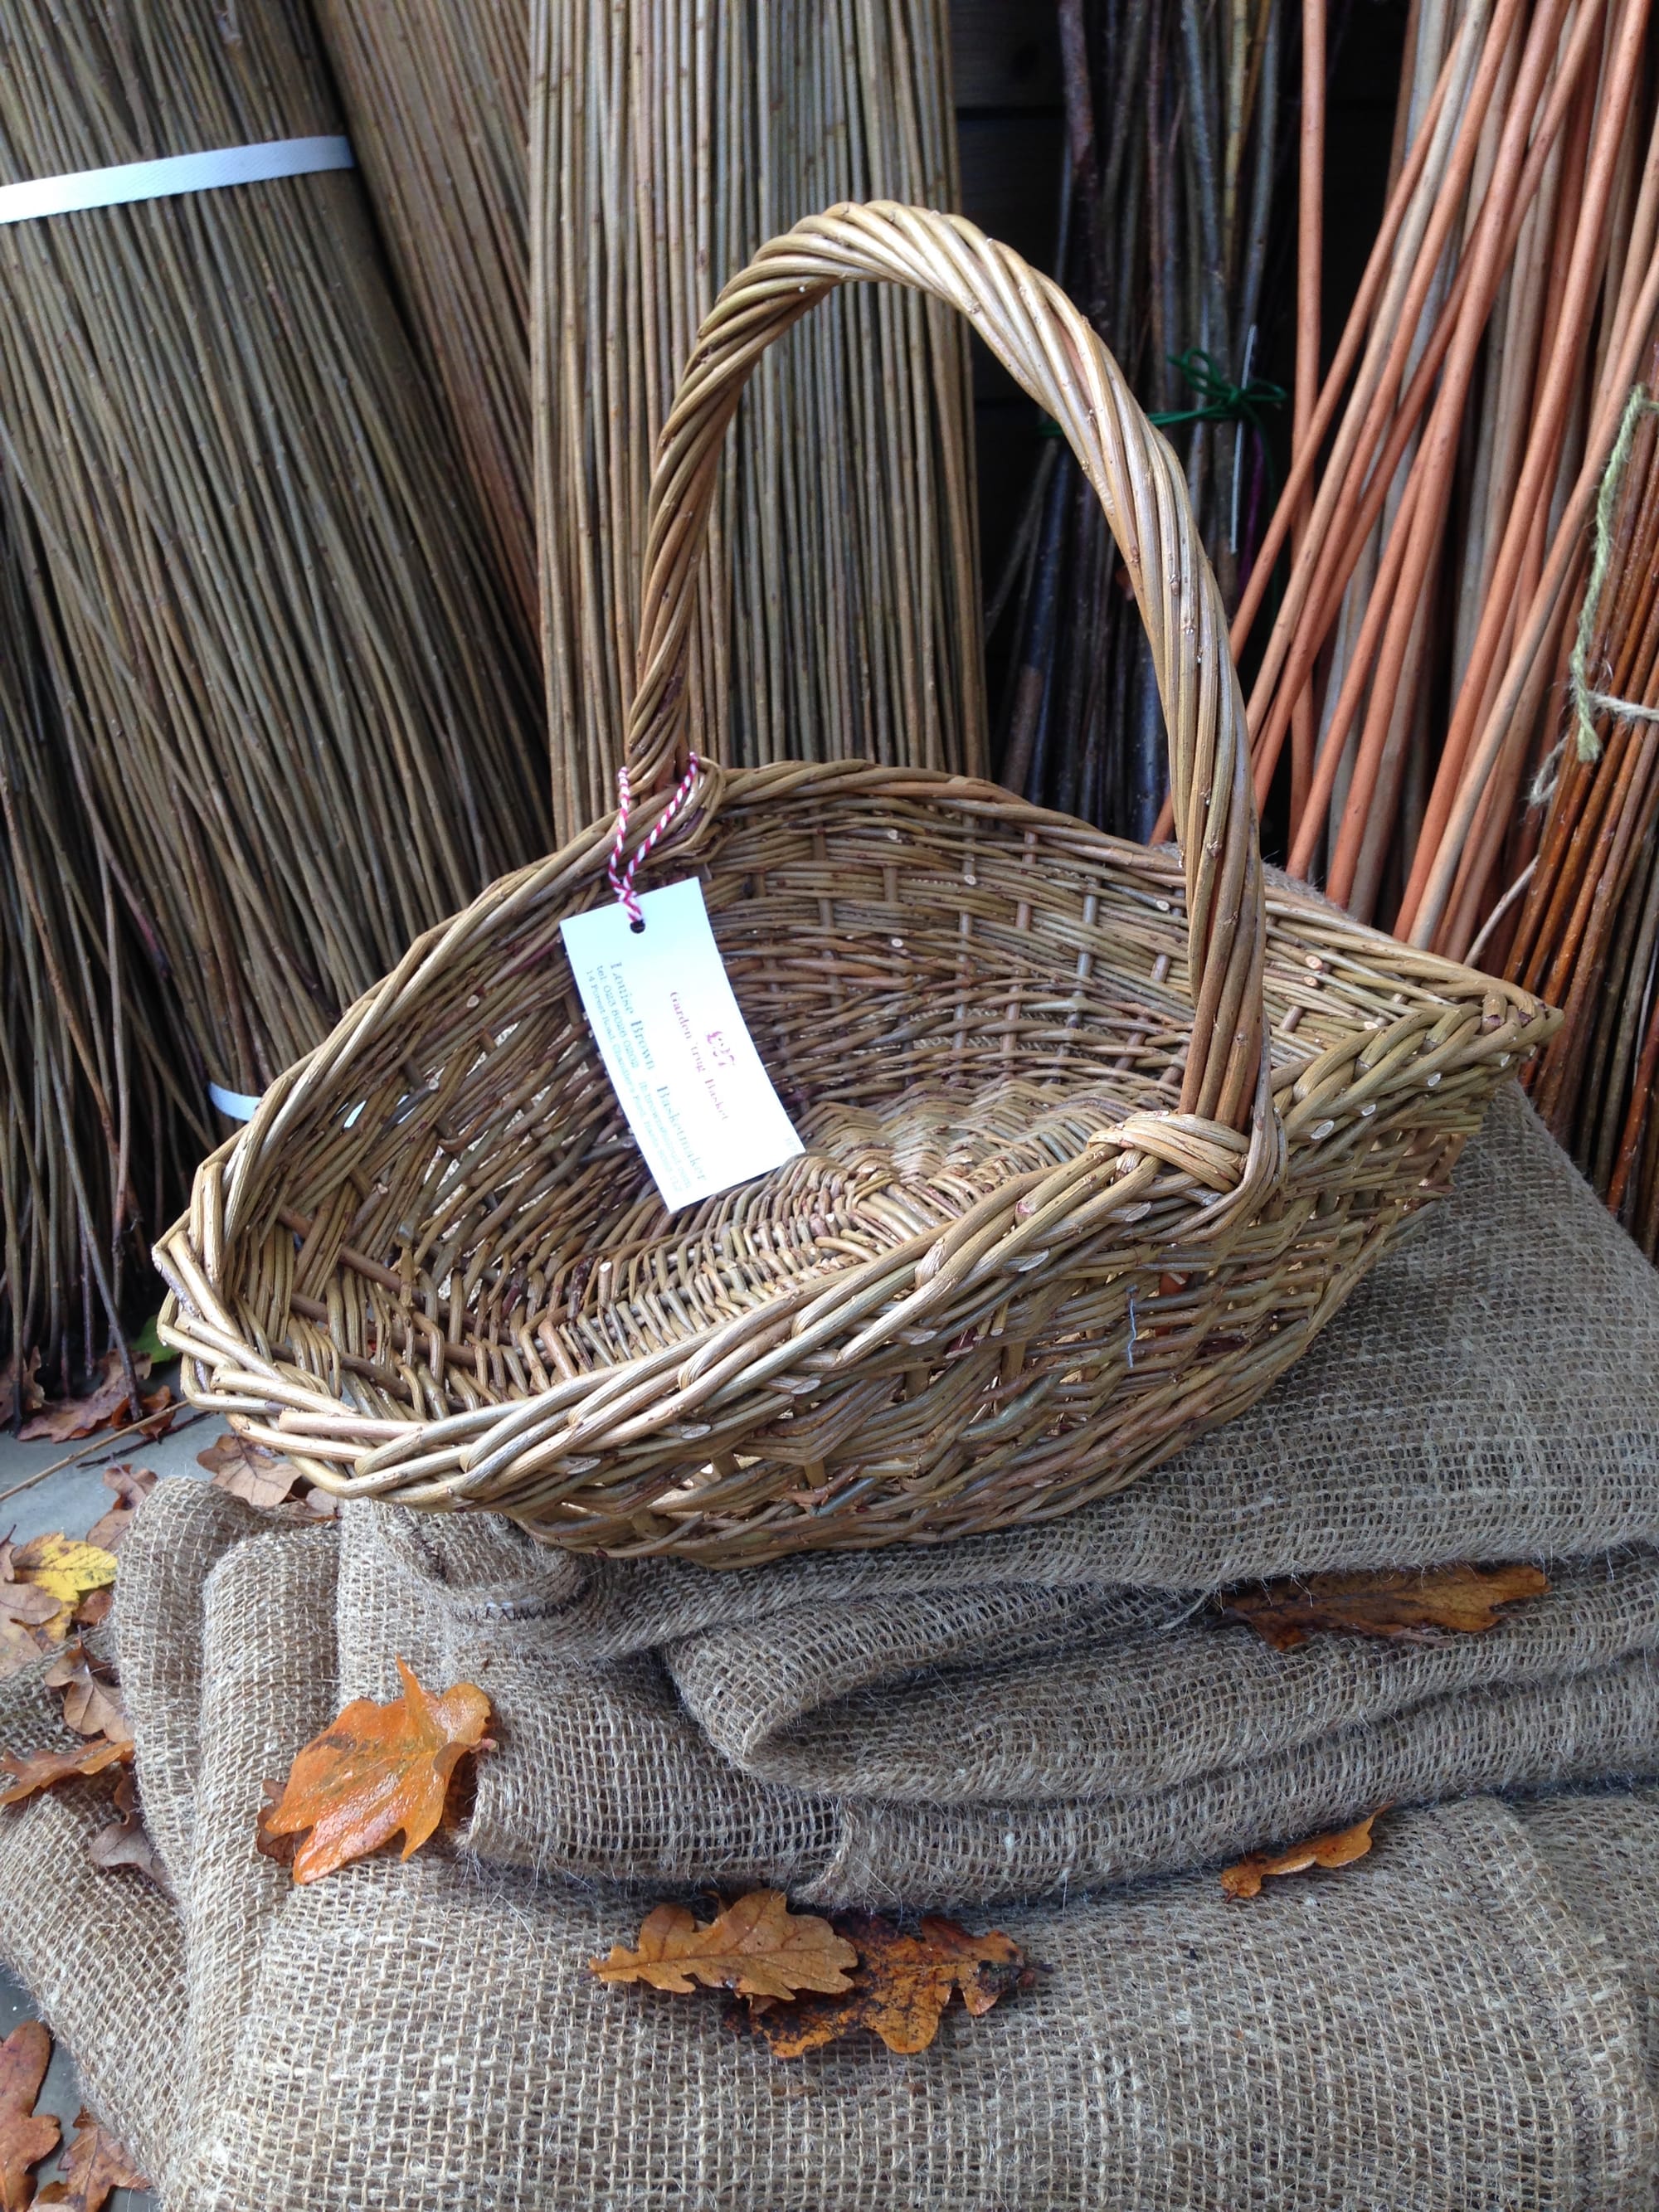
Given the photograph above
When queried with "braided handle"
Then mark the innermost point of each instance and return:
(1049, 349)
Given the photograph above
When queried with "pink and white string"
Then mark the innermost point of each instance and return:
(622, 879)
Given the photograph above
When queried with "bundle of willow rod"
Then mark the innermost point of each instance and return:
(1416, 661)
(1588, 929)
(437, 95)
(840, 615)
(1173, 127)
(96, 1143)
(299, 725)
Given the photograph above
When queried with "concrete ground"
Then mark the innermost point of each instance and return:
(32, 1503)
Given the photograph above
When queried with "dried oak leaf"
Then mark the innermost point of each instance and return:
(1410, 1605)
(756, 1946)
(109, 1404)
(374, 1770)
(26, 2136)
(132, 1486)
(20, 1600)
(901, 1986)
(20, 1392)
(18, 1648)
(126, 1842)
(25, 1778)
(1339, 1849)
(66, 1570)
(251, 1472)
(91, 1704)
(94, 1607)
(94, 2164)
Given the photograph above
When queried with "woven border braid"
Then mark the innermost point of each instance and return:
(1050, 350)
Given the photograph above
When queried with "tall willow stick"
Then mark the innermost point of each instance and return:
(1174, 165)
(437, 95)
(299, 726)
(839, 615)
(96, 1142)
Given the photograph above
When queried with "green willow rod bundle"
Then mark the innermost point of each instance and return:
(437, 95)
(300, 725)
(96, 1143)
(840, 613)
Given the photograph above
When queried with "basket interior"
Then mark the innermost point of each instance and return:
(943, 1000)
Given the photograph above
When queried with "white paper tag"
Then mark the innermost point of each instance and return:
(676, 1049)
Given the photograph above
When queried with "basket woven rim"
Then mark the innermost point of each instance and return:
(574, 877)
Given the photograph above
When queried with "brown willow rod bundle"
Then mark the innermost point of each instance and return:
(96, 1144)
(840, 615)
(437, 96)
(1502, 317)
(1589, 922)
(1173, 132)
(299, 726)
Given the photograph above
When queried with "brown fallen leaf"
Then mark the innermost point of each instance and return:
(374, 1770)
(20, 1600)
(40, 1770)
(248, 1471)
(132, 1486)
(901, 1986)
(1339, 1849)
(108, 1405)
(1420, 1606)
(18, 1648)
(126, 1841)
(756, 1946)
(270, 1845)
(91, 1704)
(95, 2166)
(66, 1570)
(94, 1607)
(26, 2136)
(20, 1391)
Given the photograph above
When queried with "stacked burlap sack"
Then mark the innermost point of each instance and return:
(1463, 2020)
(1055, 1708)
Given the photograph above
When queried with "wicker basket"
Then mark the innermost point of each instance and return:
(1096, 1141)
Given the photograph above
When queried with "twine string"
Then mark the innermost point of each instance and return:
(1220, 399)
(622, 879)
(1586, 699)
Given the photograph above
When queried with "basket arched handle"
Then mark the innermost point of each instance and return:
(1049, 349)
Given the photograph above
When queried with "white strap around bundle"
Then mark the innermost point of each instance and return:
(239, 1105)
(179, 173)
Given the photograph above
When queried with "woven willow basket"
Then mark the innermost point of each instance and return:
(1096, 1138)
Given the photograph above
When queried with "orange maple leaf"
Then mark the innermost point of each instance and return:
(26, 2136)
(376, 1769)
(1340, 1848)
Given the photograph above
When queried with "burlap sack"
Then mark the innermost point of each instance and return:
(1603, 1852)
(1159, 1747)
(167, 1557)
(1490, 1392)
(101, 1952)
(1432, 2029)
(1013, 1714)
